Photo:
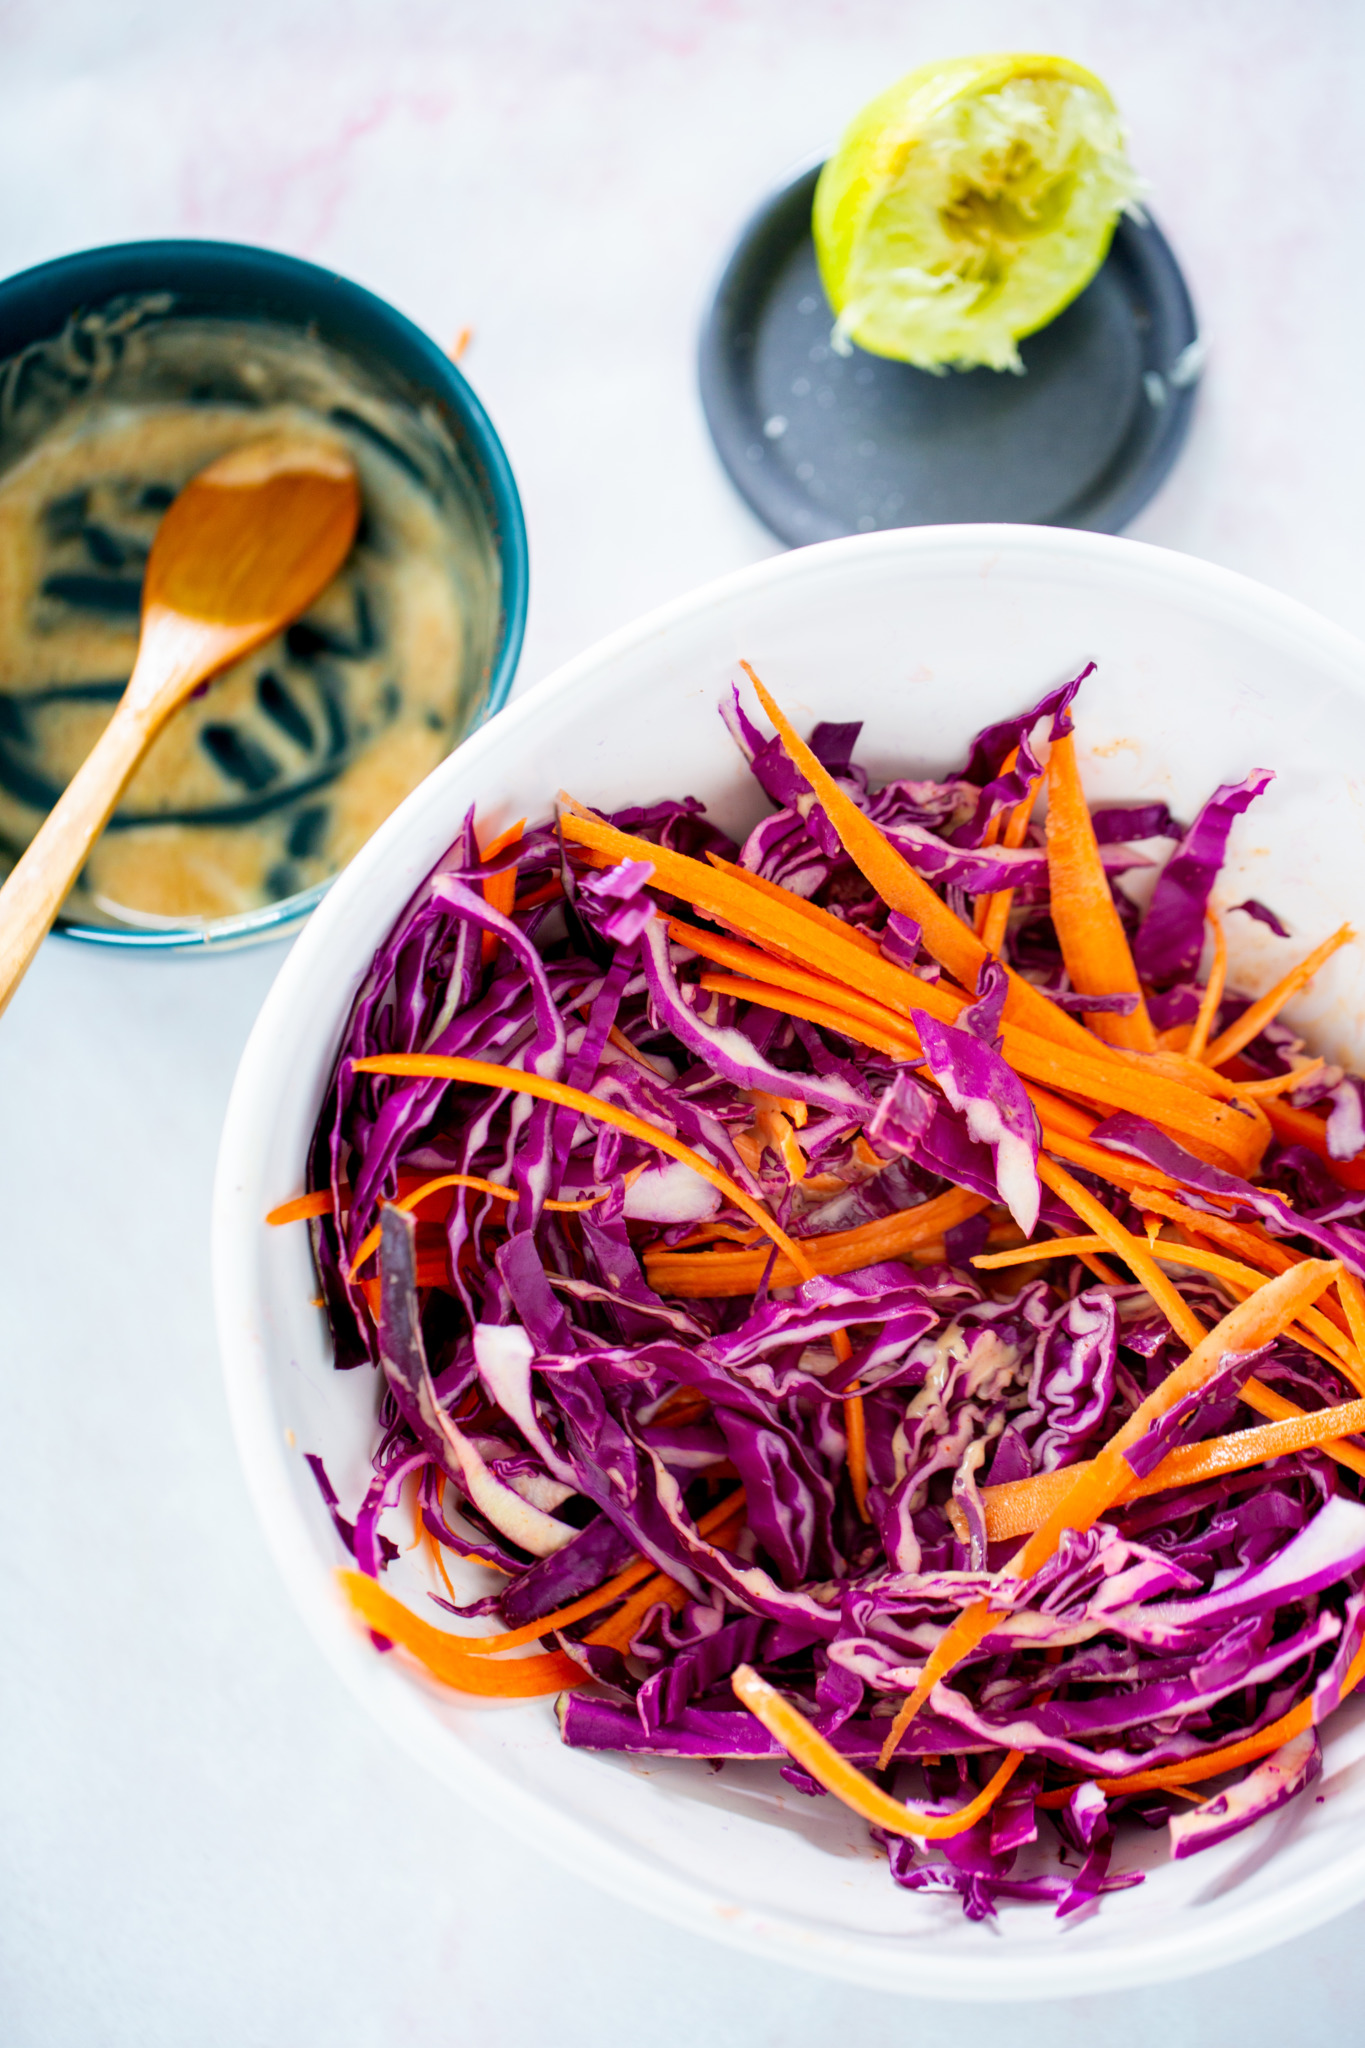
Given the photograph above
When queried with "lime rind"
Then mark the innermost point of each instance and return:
(967, 206)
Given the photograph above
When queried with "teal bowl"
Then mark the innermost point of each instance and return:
(62, 313)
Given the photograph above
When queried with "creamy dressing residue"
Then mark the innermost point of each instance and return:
(270, 780)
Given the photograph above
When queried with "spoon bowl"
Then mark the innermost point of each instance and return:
(247, 546)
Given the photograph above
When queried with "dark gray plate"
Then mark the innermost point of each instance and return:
(823, 445)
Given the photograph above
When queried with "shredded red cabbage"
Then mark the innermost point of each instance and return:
(565, 1416)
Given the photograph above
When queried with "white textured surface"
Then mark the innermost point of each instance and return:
(201, 1839)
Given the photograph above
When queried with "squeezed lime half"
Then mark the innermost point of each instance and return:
(967, 205)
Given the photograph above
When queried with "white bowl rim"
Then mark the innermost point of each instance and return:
(771, 1935)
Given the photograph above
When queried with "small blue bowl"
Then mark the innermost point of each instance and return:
(225, 281)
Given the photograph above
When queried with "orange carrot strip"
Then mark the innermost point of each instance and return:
(772, 916)
(1197, 1042)
(1093, 941)
(1115, 1167)
(1352, 1298)
(1253, 1021)
(902, 1043)
(1130, 1249)
(991, 927)
(802, 905)
(1267, 1402)
(499, 891)
(1228, 1132)
(484, 1073)
(616, 1631)
(1246, 1327)
(941, 1001)
(1121, 1083)
(787, 1725)
(950, 941)
(1327, 1341)
(855, 1425)
(1169, 1777)
(446, 1656)
(719, 1527)
(370, 1243)
(319, 1204)
(1331, 1343)
(546, 893)
(533, 1631)
(1245, 1238)
(1278, 1084)
(692, 1274)
(1087, 1068)
(1020, 1505)
(1028, 1254)
(1300, 1127)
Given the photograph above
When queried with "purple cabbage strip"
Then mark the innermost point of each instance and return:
(1264, 1790)
(1171, 936)
(1263, 915)
(998, 1113)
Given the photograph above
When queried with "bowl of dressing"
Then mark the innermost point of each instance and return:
(125, 370)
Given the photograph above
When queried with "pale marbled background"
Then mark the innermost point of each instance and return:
(201, 1840)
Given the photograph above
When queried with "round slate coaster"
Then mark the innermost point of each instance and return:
(823, 445)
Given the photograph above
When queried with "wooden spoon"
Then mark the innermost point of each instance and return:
(247, 546)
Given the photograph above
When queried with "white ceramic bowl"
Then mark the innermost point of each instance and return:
(926, 634)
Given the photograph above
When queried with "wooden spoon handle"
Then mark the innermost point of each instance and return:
(38, 885)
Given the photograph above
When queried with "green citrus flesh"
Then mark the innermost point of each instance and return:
(968, 205)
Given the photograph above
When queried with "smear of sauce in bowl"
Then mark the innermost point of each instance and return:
(270, 780)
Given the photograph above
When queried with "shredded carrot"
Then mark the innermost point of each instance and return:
(1253, 1021)
(617, 1037)
(939, 1001)
(435, 1066)
(993, 912)
(618, 1630)
(855, 1426)
(1246, 1327)
(1130, 1249)
(533, 899)
(447, 1657)
(319, 1204)
(1115, 1167)
(688, 1275)
(724, 1512)
(1197, 1042)
(773, 1131)
(1226, 1132)
(1089, 929)
(802, 905)
(1326, 1340)
(902, 1043)
(771, 917)
(1352, 1298)
(1278, 1084)
(1169, 1777)
(787, 1725)
(499, 891)
(1031, 1254)
(370, 1243)
(1301, 1127)
(1267, 1402)
(950, 941)
(1020, 1505)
